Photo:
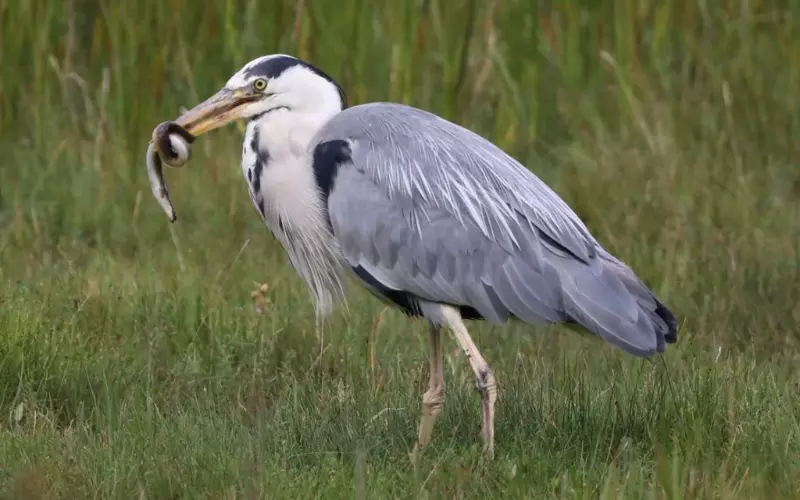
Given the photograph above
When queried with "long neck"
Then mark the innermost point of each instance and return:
(277, 164)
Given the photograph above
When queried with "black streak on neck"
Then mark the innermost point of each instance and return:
(254, 174)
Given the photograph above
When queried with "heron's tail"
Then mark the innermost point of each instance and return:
(608, 299)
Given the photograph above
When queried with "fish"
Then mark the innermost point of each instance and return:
(170, 144)
(157, 184)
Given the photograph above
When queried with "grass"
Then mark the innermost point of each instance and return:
(133, 363)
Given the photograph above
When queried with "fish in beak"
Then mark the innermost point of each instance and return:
(170, 140)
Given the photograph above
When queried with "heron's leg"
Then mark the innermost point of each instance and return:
(485, 381)
(433, 399)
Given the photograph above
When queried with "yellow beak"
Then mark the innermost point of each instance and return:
(216, 111)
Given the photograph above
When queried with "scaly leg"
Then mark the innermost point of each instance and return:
(433, 399)
(485, 381)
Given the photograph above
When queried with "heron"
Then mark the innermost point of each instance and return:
(431, 217)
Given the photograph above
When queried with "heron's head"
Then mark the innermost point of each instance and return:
(263, 86)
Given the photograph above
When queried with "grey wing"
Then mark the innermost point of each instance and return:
(432, 209)
(412, 152)
(438, 260)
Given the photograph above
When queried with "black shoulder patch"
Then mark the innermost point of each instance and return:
(328, 156)
(275, 66)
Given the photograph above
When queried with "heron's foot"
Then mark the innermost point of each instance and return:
(487, 387)
(432, 404)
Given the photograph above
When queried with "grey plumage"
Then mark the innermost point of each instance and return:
(434, 210)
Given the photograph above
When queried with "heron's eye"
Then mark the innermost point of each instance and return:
(260, 84)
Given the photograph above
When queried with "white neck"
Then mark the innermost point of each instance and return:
(287, 179)
(287, 188)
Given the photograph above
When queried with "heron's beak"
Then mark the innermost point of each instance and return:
(218, 110)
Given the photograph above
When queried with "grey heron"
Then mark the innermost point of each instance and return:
(429, 216)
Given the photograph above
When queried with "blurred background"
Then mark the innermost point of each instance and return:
(671, 128)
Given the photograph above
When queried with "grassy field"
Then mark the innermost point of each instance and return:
(133, 361)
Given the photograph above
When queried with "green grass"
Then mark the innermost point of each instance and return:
(133, 363)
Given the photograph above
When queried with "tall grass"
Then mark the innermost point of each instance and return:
(132, 363)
